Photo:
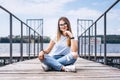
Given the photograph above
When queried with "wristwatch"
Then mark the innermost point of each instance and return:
(72, 38)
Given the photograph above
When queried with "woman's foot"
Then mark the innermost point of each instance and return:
(45, 67)
(70, 68)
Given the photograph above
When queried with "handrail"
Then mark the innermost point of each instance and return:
(83, 35)
(102, 14)
(17, 18)
(39, 37)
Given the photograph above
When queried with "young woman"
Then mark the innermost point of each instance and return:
(61, 52)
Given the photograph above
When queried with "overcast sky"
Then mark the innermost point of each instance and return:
(52, 10)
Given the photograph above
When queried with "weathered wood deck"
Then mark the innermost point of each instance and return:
(31, 70)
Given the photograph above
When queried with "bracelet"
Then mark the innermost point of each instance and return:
(72, 38)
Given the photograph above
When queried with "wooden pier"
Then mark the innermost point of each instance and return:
(31, 70)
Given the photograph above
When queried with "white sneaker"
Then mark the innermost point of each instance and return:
(70, 68)
(45, 67)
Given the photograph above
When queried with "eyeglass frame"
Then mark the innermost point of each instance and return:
(63, 24)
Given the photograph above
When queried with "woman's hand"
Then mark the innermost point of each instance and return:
(69, 34)
(41, 55)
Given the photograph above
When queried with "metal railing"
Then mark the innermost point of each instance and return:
(32, 37)
(86, 49)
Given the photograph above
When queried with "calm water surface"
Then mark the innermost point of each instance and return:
(4, 48)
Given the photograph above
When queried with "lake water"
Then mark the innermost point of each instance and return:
(4, 48)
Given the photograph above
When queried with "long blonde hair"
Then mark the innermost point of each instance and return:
(59, 33)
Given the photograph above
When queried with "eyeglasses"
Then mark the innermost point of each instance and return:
(63, 24)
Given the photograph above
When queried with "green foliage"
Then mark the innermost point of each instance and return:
(46, 39)
(110, 38)
(17, 39)
(4, 40)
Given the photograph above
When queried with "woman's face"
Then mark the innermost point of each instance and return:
(63, 26)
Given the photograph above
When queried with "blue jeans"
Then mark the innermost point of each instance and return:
(57, 61)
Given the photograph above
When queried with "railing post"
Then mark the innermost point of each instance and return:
(89, 44)
(38, 44)
(41, 41)
(29, 44)
(95, 58)
(42, 36)
(21, 43)
(81, 45)
(77, 27)
(85, 46)
(105, 25)
(34, 43)
(10, 38)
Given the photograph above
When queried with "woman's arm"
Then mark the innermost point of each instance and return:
(74, 45)
(46, 51)
(50, 46)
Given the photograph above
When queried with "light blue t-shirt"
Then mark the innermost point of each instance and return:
(60, 47)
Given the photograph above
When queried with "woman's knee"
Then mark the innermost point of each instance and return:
(75, 54)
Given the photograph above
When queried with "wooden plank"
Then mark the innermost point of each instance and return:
(31, 70)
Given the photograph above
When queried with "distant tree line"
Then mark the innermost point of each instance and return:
(17, 39)
(109, 38)
(46, 39)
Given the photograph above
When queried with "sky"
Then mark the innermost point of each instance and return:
(51, 10)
